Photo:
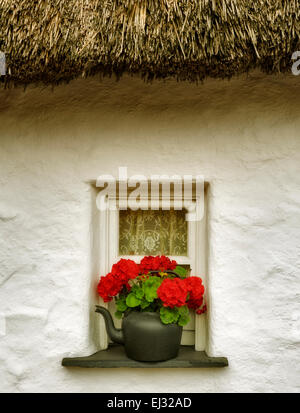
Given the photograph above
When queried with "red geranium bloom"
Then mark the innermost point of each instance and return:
(167, 264)
(172, 292)
(159, 263)
(108, 287)
(196, 290)
(201, 310)
(147, 264)
(125, 270)
(195, 304)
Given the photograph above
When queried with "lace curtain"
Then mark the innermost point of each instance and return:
(153, 232)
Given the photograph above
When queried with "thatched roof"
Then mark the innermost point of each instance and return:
(57, 40)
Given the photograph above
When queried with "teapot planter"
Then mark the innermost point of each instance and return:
(154, 298)
(144, 336)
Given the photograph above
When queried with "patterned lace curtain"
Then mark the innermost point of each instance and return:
(153, 232)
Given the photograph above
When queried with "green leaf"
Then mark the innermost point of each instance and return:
(144, 304)
(121, 304)
(169, 315)
(184, 315)
(132, 300)
(180, 271)
(183, 311)
(118, 314)
(138, 291)
(150, 287)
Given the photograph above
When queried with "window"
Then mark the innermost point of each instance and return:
(153, 232)
(134, 234)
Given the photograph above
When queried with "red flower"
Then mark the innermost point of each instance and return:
(146, 265)
(172, 292)
(158, 263)
(125, 270)
(195, 289)
(167, 264)
(108, 287)
(201, 310)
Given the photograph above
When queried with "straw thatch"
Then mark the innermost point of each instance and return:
(58, 40)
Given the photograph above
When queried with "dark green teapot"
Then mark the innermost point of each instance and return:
(144, 336)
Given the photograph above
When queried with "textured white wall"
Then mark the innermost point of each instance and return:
(242, 135)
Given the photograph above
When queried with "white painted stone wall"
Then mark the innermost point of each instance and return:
(242, 135)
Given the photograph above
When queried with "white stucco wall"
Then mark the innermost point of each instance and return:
(242, 135)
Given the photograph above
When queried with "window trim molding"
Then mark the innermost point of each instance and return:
(109, 236)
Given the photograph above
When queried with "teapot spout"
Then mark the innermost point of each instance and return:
(115, 334)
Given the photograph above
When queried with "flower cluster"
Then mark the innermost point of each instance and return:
(177, 292)
(111, 285)
(172, 292)
(195, 290)
(159, 263)
(125, 270)
(108, 287)
(149, 286)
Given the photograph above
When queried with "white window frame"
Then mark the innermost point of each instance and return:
(196, 258)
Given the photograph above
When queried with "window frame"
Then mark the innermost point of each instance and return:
(109, 253)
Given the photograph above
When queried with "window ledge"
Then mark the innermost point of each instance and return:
(115, 356)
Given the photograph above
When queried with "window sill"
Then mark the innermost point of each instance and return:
(115, 356)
